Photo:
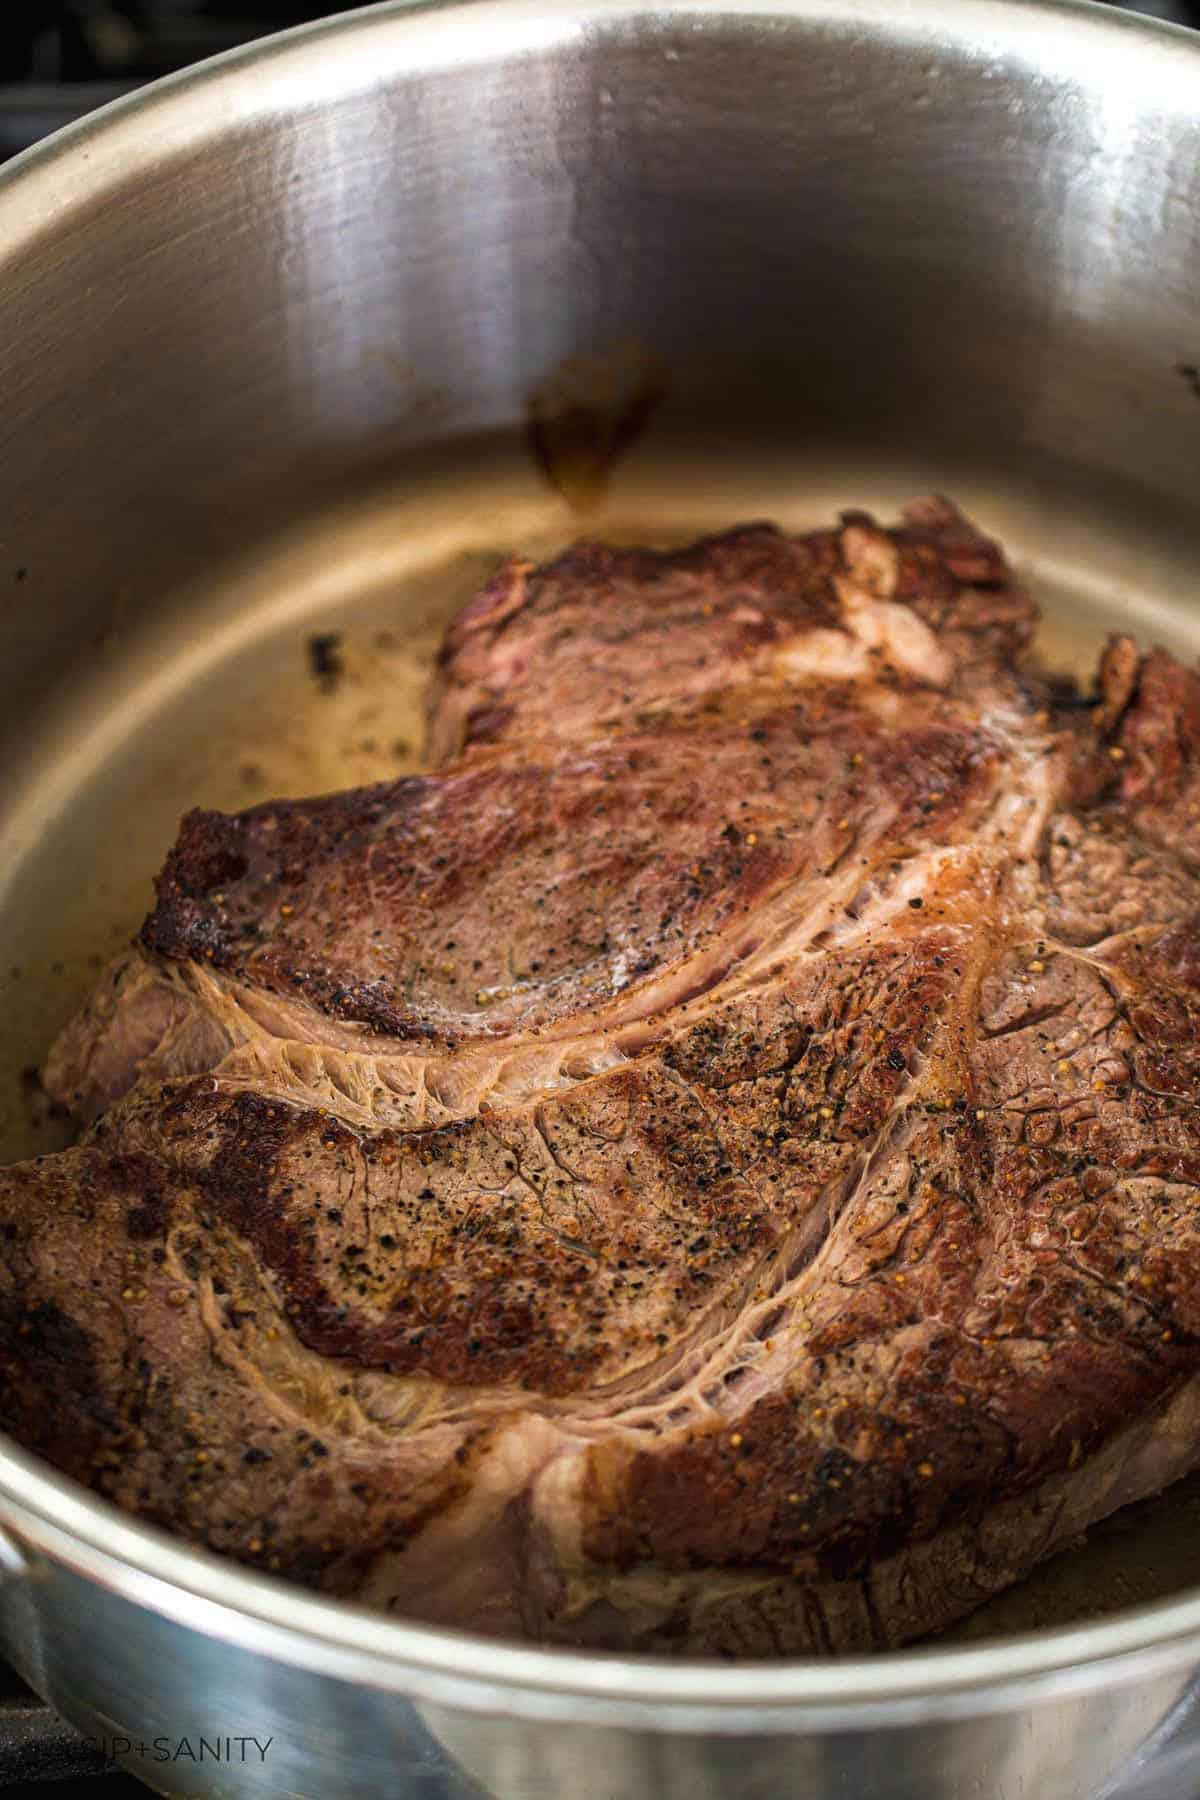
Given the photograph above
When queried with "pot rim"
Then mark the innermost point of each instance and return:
(54, 1517)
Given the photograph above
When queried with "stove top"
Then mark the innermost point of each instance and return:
(42, 1756)
(60, 59)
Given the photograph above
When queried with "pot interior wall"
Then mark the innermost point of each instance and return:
(268, 349)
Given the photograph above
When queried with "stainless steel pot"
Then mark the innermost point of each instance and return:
(255, 328)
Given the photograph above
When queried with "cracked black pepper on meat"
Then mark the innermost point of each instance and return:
(711, 1164)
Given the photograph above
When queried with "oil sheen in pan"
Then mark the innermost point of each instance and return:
(300, 669)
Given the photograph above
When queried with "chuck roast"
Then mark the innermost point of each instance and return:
(714, 1164)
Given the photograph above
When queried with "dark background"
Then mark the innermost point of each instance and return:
(83, 40)
(87, 40)
(61, 58)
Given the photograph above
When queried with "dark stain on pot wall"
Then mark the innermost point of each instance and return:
(586, 414)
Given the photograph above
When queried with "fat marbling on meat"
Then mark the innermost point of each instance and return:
(713, 1164)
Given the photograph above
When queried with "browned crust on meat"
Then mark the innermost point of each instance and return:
(1036, 1291)
(499, 899)
(863, 1218)
(602, 633)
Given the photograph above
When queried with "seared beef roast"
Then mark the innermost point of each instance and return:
(714, 1165)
